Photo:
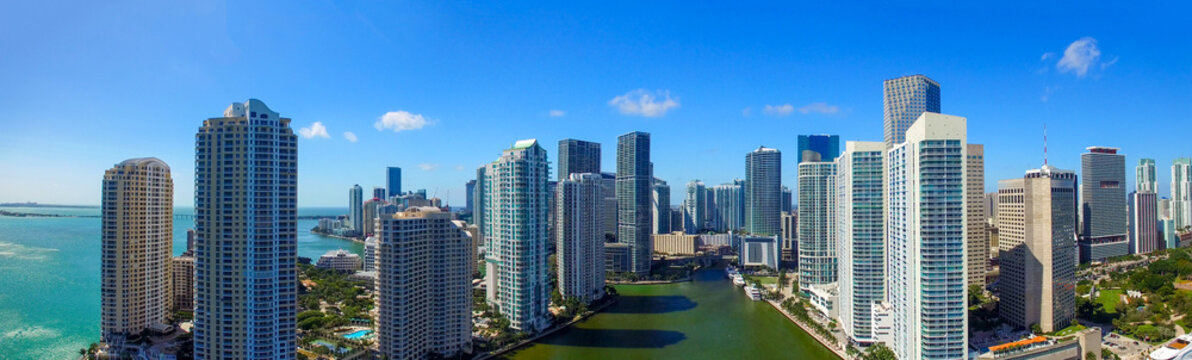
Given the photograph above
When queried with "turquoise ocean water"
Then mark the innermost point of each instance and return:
(49, 277)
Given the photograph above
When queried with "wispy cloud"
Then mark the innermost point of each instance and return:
(315, 130)
(778, 110)
(1047, 91)
(819, 108)
(557, 113)
(459, 168)
(747, 111)
(350, 136)
(1080, 56)
(428, 167)
(645, 103)
(401, 120)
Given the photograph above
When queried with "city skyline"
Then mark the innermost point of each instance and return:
(794, 85)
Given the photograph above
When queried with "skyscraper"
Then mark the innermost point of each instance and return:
(728, 206)
(904, 99)
(579, 239)
(1144, 180)
(182, 269)
(424, 287)
(787, 199)
(661, 207)
(633, 199)
(469, 192)
(790, 238)
(695, 208)
(822, 147)
(356, 208)
(370, 216)
(1181, 192)
(393, 181)
(137, 241)
(578, 157)
(515, 206)
(246, 251)
(1037, 219)
(975, 227)
(927, 281)
(1103, 204)
(763, 191)
(379, 192)
(610, 203)
(370, 254)
(817, 241)
(1144, 222)
(860, 245)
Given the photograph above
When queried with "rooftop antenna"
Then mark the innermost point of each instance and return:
(1045, 144)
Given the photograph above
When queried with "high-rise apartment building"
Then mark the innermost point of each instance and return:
(904, 99)
(579, 239)
(1103, 207)
(975, 225)
(515, 206)
(137, 241)
(660, 202)
(1144, 222)
(424, 285)
(927, 278)
(1037, 222)
(1145, 180)
(818, 148)
(356, 207)
(379, 192)
(634, 179)
(182, 271)
(763, 191)
(370, 254)
(860, 245)
(790, 238)
(578, 157)
(246, 181)
(787, 199)
(610, 203)
(393, 180)
(727, 206)
(695, 208)
(1181, 192)
(371, 208)
(817, 225)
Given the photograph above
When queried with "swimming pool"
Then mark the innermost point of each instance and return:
(359, 334)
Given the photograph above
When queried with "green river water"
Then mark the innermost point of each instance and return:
(708, 318)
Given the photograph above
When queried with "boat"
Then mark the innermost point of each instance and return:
(738, 280)
(1177, 349)
(753, 293)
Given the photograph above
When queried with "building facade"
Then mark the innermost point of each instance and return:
(579, 239)
(695, 208)
(661, 208)
(790, 238)
(340, 260)
(727, 204)
(1104, 224)
(860, 245)
(817, 242)
(634, 180)
(1036, 223)
(182, 270)
(927, 270)
(356, 208)
(1181, 192)
(515, 230)
(1144, 177)
(578, 157)
(903, 100)
(676, 244)
(975, 224)
(818, 147)
(393, 180)
(763, 191)
(424, 287)
(759, 251)
(137, 242)
(1144, 223)
(246, 226)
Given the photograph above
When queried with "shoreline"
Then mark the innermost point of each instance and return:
(548, 332)
(840, 353)
(337, 236)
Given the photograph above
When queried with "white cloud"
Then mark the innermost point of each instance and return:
(428, 167)
(400, 120)
(1079, 56)
(557, 113)
(645, 103)
(778, 110)
(315, 130)
(351, 136)
(819, 108)
(1046, 55)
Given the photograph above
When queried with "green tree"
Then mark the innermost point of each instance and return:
(879, 351)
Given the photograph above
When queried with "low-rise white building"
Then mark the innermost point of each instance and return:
(340, 260)
(823, 298)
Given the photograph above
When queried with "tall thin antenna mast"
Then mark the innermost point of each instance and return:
(1044, 143)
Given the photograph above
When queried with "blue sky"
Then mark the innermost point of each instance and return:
(85, 85)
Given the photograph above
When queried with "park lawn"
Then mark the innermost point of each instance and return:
(764, 280)
(1068, 330)
(1109, 299)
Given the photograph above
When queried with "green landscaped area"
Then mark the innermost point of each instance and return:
(1109, 299)
(764, 280)
(1068, 330)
